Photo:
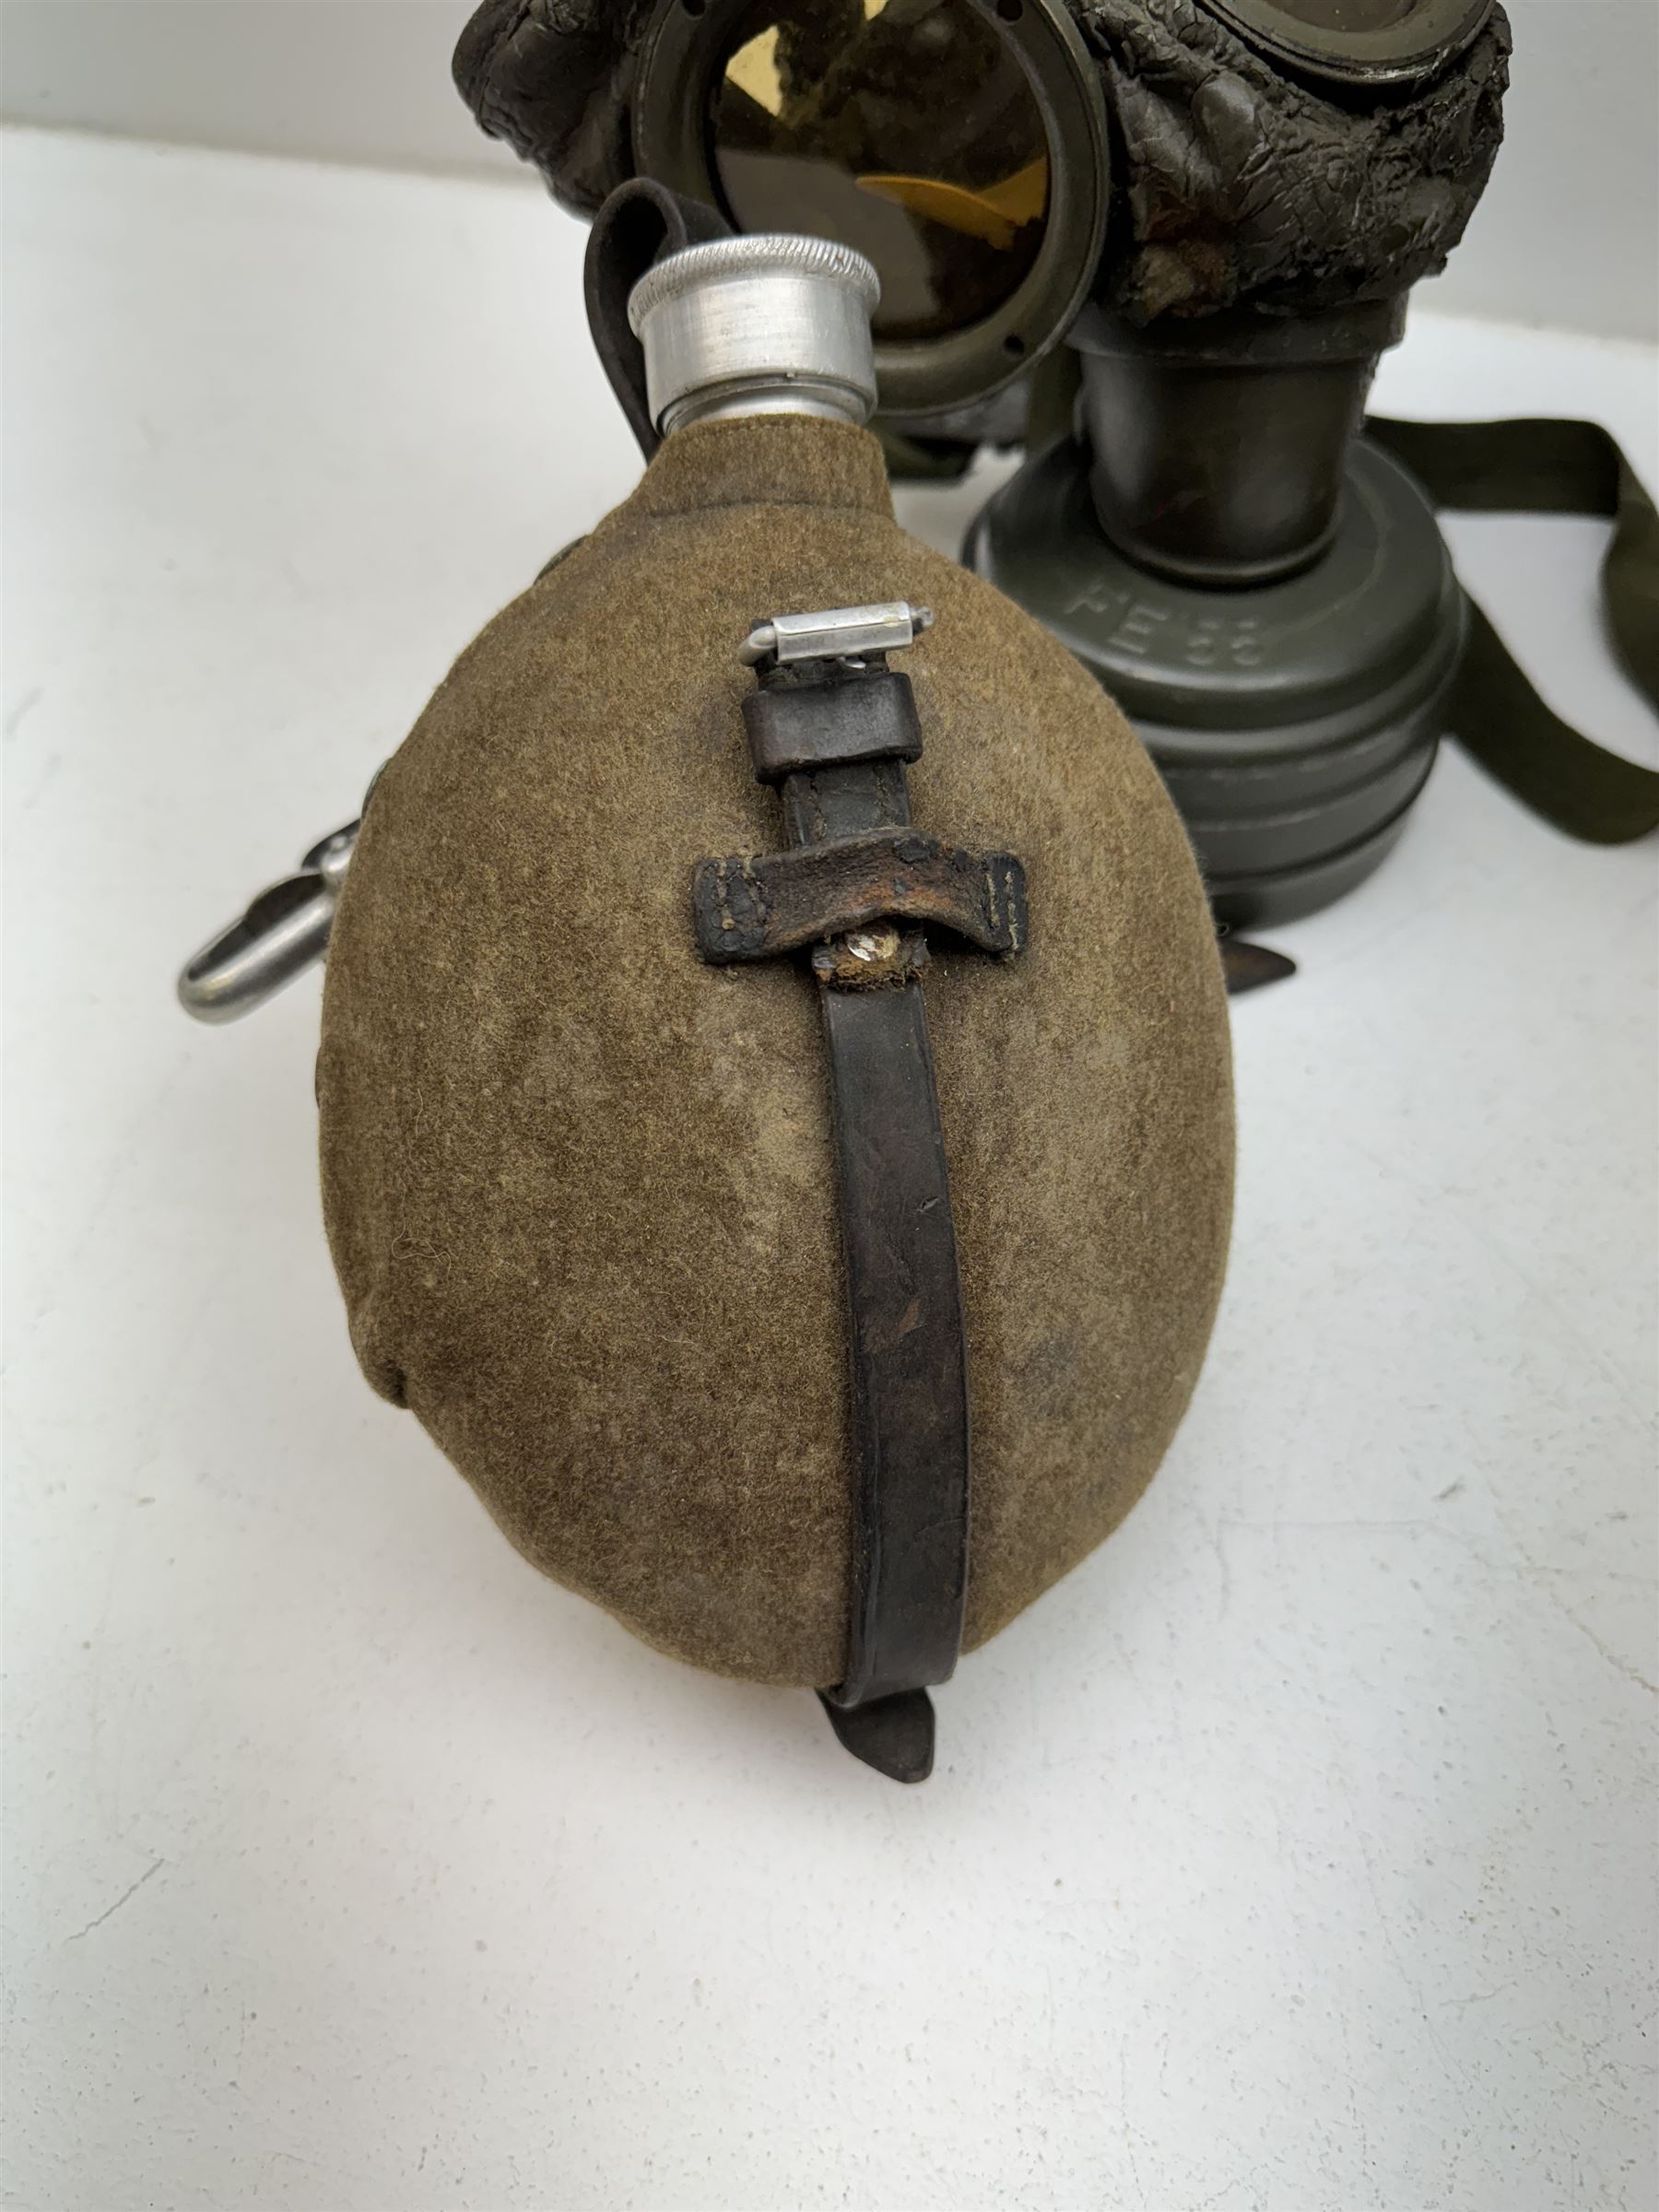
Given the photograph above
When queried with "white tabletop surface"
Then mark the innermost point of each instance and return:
(1296, 1852)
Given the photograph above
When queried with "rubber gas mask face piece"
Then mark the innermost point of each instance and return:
(1293, 157)
(1000, 160)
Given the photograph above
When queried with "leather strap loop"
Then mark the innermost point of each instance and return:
(639, 223)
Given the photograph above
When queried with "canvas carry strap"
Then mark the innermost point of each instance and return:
(1531, 465)
(1547, 467)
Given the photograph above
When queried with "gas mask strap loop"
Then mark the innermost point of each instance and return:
(640, 223)
(1548, 467)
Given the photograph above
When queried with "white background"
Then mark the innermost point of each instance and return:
(1567, 232)
(1295, 1852)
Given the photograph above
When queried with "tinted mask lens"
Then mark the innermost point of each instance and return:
(958, 145)
(907, 130)
(1374, 42)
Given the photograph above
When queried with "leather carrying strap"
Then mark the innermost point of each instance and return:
(854, 850)
(1546, 467)
(908, 1375)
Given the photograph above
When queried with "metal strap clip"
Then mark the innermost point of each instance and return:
(282, 934)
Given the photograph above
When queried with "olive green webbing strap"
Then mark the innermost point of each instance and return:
(1546, 467)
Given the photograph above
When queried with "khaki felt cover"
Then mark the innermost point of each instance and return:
(580, 1188)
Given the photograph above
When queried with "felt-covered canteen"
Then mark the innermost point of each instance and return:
(581, 1179)
(749, 1070)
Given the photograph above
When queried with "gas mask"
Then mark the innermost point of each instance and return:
(1219, 206)
(1003, 161)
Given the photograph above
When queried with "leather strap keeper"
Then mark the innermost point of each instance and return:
(753, 906)
(793, 726)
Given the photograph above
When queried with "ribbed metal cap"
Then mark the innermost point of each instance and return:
(757, 324)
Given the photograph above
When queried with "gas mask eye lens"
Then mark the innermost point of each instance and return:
(904, 128)
(958, 145)
(1373, 42)
(1347, 15)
